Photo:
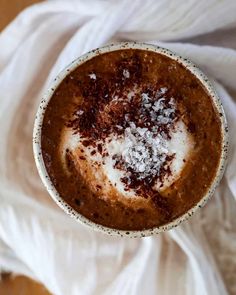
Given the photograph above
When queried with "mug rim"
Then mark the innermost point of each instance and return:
(37, 150)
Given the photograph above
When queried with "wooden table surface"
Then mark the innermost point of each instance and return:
(10, 8)
(19, 285)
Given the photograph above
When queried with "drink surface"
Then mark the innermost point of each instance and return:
(131, 139)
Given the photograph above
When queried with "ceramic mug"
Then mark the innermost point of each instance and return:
(39, 120)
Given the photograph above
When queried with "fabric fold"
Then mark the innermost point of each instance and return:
(36, 238)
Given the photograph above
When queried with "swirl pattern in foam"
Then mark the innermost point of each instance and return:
(151, 151)
(126, 139)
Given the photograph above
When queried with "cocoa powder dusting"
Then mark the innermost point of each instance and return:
(146, 111)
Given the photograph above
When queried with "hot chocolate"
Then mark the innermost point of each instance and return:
(131, 139)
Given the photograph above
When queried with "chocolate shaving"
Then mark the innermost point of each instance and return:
(143, 113)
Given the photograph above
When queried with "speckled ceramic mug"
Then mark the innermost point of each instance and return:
(39, 120)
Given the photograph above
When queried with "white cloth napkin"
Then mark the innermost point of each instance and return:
(36, 238)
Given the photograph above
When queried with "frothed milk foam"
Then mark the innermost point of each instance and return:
(102, 169)
(126, 139)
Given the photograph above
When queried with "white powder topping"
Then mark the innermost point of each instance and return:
(93, 76)
(146, 151)
(126, 73)
(163, 90)
(159, 112)
(79, 112)
(146, 148)
(130, 95)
